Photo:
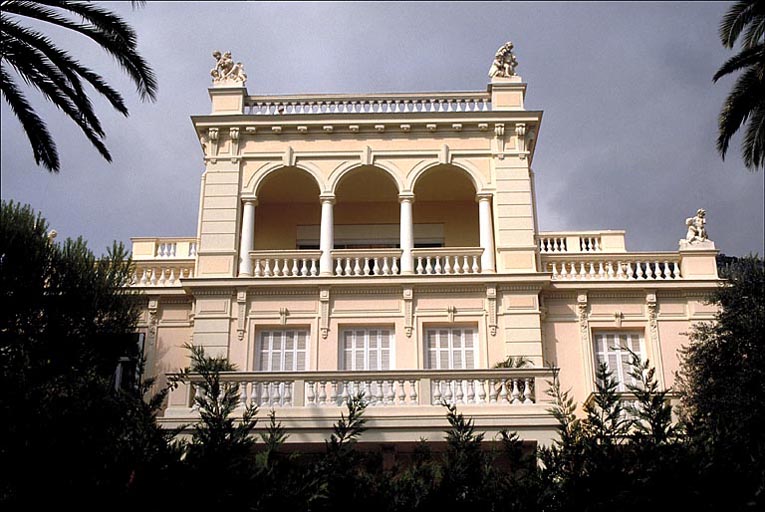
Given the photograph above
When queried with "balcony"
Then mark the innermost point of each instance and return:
(162, 262)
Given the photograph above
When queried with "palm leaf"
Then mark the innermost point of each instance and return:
(748, 92)
(738, 16)
(43, 147)
(753, 144)
(750, 57)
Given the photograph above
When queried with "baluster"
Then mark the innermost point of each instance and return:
(322, 392)
(503, 391)
(144, 278)
(515, 395)
(339, 267)
(348, 267)
(638, 270)
(346, 392)
(310, 394)
(596, 244)
(198, 395)
(314, 270)
(394, 268)
(171, 279)
(666, 274)
(475, 267)
(447, 264)
(563, 272)
(413, 392)
(436, 391)
(257, 272)
(243, 394)
(304, 267)
(676, 270)
(333, 392)
(295, 269)
(162, 278)
(448, 391)
(601, 272)
(357, 270)
(368, 392)
(428, 266)
(379, 393)
(573, 274)
(287, 397)
(470, 397)
(648, 270)
(610, 272)
(437, 266)
(481, 391)
(267, 269)
(528, 397)
(375, 267)
(630, 273)
(420, 269)
(264, 393)
(276, 397)
(582, 271)
(591, 274)
(555, 274)
(458, 392)
(254, 399)
(401, 392)
(385, 267)
(493, 391)
(465, 265)
(656, 270)
(390, 396)
(286, 268)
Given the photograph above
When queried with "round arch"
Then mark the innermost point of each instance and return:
(423, 167)
(347, 167)
(258, 178)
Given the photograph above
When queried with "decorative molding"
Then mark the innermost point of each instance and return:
(406, 128)
(233, 134)
(483, 127)
(618, 318)
(499, 135)
(277, 130)
(153, 319)
(251, 130)
(283, 313)
(241, 299)
(366, 156)
(451, 311)
(457, 127)
(454, 289)
(303, 129)
(380, 128)
(408, 312)
(652, 307)
(520, 131)
(212, 136)
(526, 288)
(443, 154)
(366, 291)
(324, 312)
(431, 127)
(328, 128)
(353, 128)
(491, 299)
(283, 291)
(289, 159)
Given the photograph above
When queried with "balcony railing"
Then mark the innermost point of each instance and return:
(368, 104)
(285, 263)
(613, 267)
(447, 260)
(163, 261)
(405, 388)
(580, 242)
(168, 273)
(366, 262)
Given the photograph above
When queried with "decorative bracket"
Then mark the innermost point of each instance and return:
(451, 311)
(241, 299)
(153, 318)
(584, 320)
(288, 158)
(618, 317)
(499, 134)
(520, 132)
(366, 156)
(283, 312)
(408, 313)
(443, 155)
(324, 305)
(491, 299)
(212, 136)
(234, 134)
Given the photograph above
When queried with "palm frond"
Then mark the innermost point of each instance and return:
(43, 147)
(738, 16)
(747, 93)
(112, 40)
(753, 144)
(754, 56)
(754, 34)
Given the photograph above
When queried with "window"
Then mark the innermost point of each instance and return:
(282, 350)
(451, 348)
(366, 349)
(127, 375)
(612, 348)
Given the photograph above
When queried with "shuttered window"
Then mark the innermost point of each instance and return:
(450, 348)
(366, 349)
(282, 351)
(612, 348)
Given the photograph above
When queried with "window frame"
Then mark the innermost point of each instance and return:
(258, 359)
(622, 355)
(353, 329)
(451, 328)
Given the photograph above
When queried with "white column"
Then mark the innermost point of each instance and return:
(248, 237)
(327, 240)
(407, 233)
(486, 232)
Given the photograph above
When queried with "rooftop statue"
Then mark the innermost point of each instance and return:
(226, 72)
(697, 232)
(504, 62)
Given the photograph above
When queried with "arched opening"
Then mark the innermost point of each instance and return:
(288, 211)
(366, 211)
(445, 211)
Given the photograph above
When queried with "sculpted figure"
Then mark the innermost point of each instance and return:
(225, 70)
(697, 231)
(504, 62)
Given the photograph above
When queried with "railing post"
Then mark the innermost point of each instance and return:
(327, 240)
(424, 395)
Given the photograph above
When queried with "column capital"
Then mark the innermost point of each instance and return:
(327, 198)
(250, 199)
(406, 196)
(483, 196)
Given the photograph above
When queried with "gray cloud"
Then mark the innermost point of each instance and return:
(627, 140)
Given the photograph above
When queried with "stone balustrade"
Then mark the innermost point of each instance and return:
(168, 273)
(405, 388)
(368, 104)
(583, 242)
(447, 260)
(164, 248)
(285, 263)
(366, 262)
(611, 267)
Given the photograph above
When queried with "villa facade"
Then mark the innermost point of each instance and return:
(388, 244)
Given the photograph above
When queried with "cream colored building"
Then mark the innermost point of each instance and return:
(388, 243)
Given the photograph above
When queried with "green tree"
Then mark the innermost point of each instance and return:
(61, 78)
(722, 385)
(746, 102)
(66, 320)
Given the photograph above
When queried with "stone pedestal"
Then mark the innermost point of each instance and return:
(507, 93)
(697, 260)
(227, 100)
